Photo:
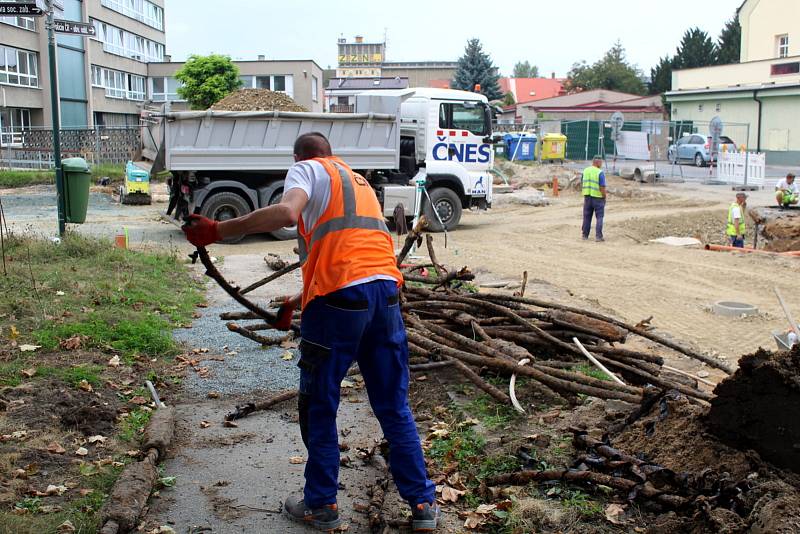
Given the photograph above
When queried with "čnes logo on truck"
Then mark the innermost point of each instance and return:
(462, 152)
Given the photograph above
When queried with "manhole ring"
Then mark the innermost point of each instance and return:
(729, 308)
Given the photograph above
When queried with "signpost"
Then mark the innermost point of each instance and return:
(54, 26)
(715, 130)
(20, 10)
(74, 28)
(617, 122)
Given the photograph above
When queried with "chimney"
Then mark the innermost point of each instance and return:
(359, 38)
(167, 58)
(261, 57)
(552, 75)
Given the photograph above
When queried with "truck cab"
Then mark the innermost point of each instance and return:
(448, 133)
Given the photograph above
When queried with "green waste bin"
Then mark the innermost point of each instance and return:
(76, 189)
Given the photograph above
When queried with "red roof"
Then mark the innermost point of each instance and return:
(531, 89)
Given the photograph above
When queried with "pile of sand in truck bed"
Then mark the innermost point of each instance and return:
(257, 100)
(780, 228)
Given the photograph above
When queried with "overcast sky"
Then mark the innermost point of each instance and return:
(552, 34)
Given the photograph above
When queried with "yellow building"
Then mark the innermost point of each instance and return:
(762, 90)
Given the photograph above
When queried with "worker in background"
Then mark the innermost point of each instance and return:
(594, 198)
(736, 225)
(787, 191)
(350, 313)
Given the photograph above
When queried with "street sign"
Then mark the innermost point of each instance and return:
(20, 10)
(74, 28)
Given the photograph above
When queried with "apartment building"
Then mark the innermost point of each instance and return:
(762, 90)
(102, 79)
(300, 79)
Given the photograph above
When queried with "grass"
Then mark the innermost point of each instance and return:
(119, 301)
(491, 413)
(132, 426)
(11, 179)
(591, 370)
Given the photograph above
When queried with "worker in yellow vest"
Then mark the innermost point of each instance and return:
(594, 198)
(351, 312)
(736, 225)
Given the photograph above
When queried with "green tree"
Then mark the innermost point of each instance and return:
(508, 99)
(696, 50)
(729, 44)
(661, 76)
(523, 69)
(475, 67)
(207, 80)
(612, 72)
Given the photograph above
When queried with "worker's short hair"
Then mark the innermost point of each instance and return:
(597, 158)
(790, 175)
(312, 145)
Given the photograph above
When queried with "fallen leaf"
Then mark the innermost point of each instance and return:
(451, 494)
(19, 473)
(287, 356)
(29, 348)
(72, 343)
(614, 513)
(14, 333)
(163, 529)
(230, 424)
(204, 424)
(55, 448)
(49, 509)
(65, 527)
(29, 373)
(485, 508)
(297, 460)
(703, 374)
(114, 361)
(60, 293)
(139, 400)
(85, 386)
(85, 491)
(97, 439)
(473, 521)
(55, 490)
(213, 394)
(347, 384)
(133, 454)
(289, 344)
(82, 451)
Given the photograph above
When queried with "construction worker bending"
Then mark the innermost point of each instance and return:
(736, 226)
(350, 313)
(594, 198)
(787, 191)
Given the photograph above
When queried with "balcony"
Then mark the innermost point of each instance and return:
(343, 108)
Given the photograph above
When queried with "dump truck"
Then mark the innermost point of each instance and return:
(427, 149)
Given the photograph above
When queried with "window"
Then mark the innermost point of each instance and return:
(697, 140)
(119, 84)
(279, 83)
(141, 10)
(314, 89)
(18, 67)
(700, 107)
(135, 87)
(263, 82)
(248, 82)
(123, 43)
(13, 121)
(471, 117)
(116, 86)
(163, 89)
(719, 107)
(97, 76)
(26, 23)
(782, 42)
(779, 69)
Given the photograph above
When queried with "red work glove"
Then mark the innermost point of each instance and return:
(201, 231)
(285, 313)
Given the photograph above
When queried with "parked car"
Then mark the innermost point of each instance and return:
(697, 149)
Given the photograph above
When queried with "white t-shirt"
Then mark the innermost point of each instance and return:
(311, 177)
(736, 213)
(783, 184)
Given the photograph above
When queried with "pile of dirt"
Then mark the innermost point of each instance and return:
(534, 175)
(780, 228)
(759, 407)
(707, 226)
(257, 100)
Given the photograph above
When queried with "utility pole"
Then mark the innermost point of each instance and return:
(54, 102)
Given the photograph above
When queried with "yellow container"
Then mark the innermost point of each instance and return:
(552, 147)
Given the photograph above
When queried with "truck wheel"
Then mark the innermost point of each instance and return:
(223, 206)
(448, 206)
(288, 232)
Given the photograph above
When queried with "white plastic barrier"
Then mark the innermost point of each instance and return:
(731, 168)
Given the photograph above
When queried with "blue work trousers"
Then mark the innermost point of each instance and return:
(597, 207)
(361, 323)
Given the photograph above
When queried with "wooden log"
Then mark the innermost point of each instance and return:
(265, 341)
(413, 236)
(270, 278)
(240, 315)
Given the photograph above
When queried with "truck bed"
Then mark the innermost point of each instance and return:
(263, 140)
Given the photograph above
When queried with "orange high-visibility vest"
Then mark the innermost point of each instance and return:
(350, 241)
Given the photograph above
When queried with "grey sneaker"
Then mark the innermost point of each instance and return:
(425, 517)
(325, 518)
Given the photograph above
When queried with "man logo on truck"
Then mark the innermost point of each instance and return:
(462, 152)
